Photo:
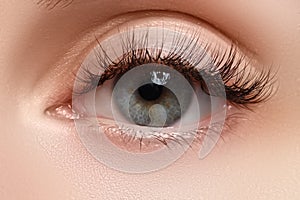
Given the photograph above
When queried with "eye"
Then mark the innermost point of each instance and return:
(155, 97)
(147, 93)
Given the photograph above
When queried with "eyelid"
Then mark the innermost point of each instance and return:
(72, 60)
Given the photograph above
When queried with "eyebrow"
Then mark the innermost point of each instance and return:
(51, 4)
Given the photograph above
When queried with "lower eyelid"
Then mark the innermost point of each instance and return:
(152, 142)
(142, 145)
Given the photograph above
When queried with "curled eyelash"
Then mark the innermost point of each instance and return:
(244, 85)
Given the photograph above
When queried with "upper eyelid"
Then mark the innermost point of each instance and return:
(229, 61)
(52, 4)
(254, 38)
(86, 42)
(157, 17)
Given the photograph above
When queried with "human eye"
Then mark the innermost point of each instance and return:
(148, 91)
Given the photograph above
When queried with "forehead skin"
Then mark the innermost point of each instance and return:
(43, 159)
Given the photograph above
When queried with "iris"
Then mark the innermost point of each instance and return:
(158, 97)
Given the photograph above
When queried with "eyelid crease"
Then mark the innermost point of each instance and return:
(74, 56)
(245, 85)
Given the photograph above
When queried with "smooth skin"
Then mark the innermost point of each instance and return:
(41, 158)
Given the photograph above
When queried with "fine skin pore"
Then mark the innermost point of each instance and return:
(41, 157)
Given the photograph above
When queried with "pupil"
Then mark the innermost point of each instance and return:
(150, 91)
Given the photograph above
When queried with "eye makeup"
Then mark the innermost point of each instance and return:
(220, 75)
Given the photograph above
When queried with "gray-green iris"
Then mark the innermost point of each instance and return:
(152, 95)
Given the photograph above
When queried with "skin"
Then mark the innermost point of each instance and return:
(41, 158)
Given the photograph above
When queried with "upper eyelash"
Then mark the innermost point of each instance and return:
(242, 88)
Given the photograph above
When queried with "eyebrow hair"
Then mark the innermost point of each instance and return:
(51, 4)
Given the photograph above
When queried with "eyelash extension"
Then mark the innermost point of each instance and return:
(242, 87)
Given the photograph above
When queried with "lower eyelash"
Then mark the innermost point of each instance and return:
(129, 139)
(130, 134)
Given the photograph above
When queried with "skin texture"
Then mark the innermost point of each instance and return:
(41, 158)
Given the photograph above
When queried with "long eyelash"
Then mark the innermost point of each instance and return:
(242, 87)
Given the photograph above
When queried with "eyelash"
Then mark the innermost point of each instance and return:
(243, 87)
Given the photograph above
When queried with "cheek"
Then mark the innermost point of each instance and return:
(82, 176)
(261, 163)
(26, 171)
